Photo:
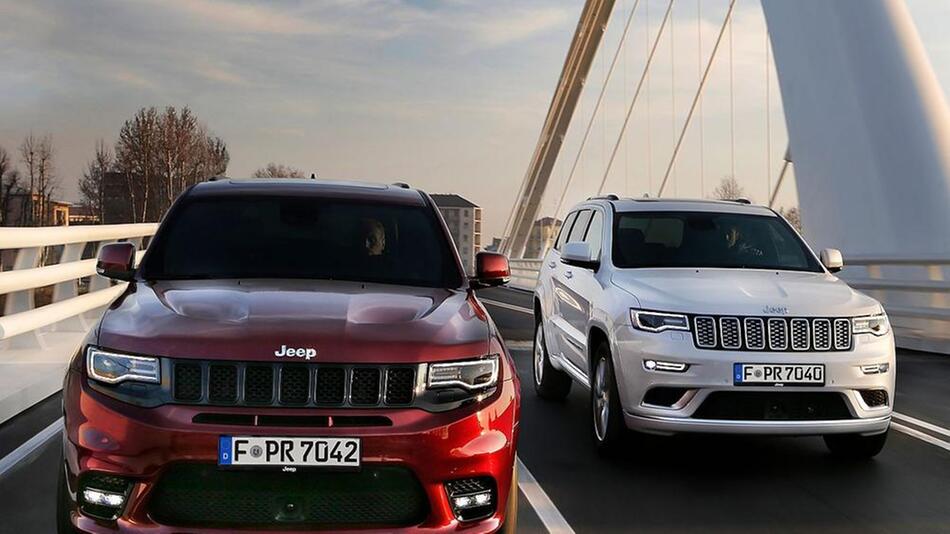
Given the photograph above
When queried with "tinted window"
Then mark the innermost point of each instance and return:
(697, 239)
(595, 233)
(580, 227)
(565, 230)
(299, 237)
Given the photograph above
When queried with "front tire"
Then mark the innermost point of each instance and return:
(607, 424)
(549, 382)
(855, 446)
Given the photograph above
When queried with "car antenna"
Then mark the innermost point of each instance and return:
(313, 176)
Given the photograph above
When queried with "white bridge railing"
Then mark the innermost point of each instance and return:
(915, 293)
(37, 340)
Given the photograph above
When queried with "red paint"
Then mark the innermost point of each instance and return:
(248, 320)
(116, 260)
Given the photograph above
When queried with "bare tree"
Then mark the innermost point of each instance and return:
(163, 153)
(278, 170)
(37, 154)
(728, 189)
(90, 185)
(793, 216)
(9, 184)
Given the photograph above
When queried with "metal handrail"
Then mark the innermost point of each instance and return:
(21, 315)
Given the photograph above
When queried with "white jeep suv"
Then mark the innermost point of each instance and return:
(709, 316)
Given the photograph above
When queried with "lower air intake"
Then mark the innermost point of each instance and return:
(201, 495)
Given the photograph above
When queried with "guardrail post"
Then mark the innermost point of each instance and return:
(20, 301)
(69, 289)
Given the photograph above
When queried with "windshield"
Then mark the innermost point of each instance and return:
(702, 239)
(301, 237)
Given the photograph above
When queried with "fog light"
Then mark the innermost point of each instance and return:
(103, 498)
(875, 368)
(670, 367)
(472, 498)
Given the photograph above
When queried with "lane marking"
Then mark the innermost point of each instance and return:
(921, 436)
(22, 452)
(922, 424)
(542, 504)
(513, 307)
(898, 416)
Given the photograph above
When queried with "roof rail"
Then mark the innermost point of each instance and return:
(403, 185)
(741, 200)
(605, 197)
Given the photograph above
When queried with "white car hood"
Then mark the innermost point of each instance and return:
(743, 292)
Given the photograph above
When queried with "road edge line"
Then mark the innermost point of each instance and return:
(921, 423)
(513, 307)
(913, 432)
(11, 460)
(542, 504)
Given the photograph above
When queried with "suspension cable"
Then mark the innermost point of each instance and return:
(593, 114)
(732, 101)
(699, 92)
(781, 176)
(699, 73)
(768, 111)
(636, 94)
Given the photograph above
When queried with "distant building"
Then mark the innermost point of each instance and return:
(495, 245)
(464, 220)
(116, 206)
(18, 207)
(79, 214)
(542, 235)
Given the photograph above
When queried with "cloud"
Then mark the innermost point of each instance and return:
(503, 27)
(240, 17)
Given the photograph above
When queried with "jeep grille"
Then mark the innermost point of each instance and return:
(772, 334)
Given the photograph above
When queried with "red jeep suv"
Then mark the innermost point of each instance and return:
(293, 355)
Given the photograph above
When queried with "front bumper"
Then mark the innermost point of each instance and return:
(711, 372)
(107, 436)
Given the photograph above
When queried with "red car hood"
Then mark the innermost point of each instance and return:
(344, 322)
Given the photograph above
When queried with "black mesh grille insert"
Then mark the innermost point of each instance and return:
(364, 386)
(400, 382)
(259, 384)
(201, 495)
(874, 397)
(187, 382)
(294, 384)
(331, 385)
(291, 384)
(780, 406)
(222, 383)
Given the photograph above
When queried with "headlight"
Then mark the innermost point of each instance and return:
(113, 368)
(468, 374)
(658, 322)
(870, 324)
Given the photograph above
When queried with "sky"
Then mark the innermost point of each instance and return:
(447, 95)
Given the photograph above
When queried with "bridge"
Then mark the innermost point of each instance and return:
(869, 164)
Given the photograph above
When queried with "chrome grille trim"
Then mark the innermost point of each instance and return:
(754, 333)
(772, 334)
(730, 333)
(842, 334)
(777, 342)
(821, 334)
(799, 334)
(705, 330)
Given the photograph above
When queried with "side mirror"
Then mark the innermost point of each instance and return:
(578, 254)
(491, 269)
(117, 261)
(831, 259)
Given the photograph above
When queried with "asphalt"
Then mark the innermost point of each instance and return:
(668, 484)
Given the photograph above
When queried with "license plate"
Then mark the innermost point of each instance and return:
(777, 374)
(241, 451)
